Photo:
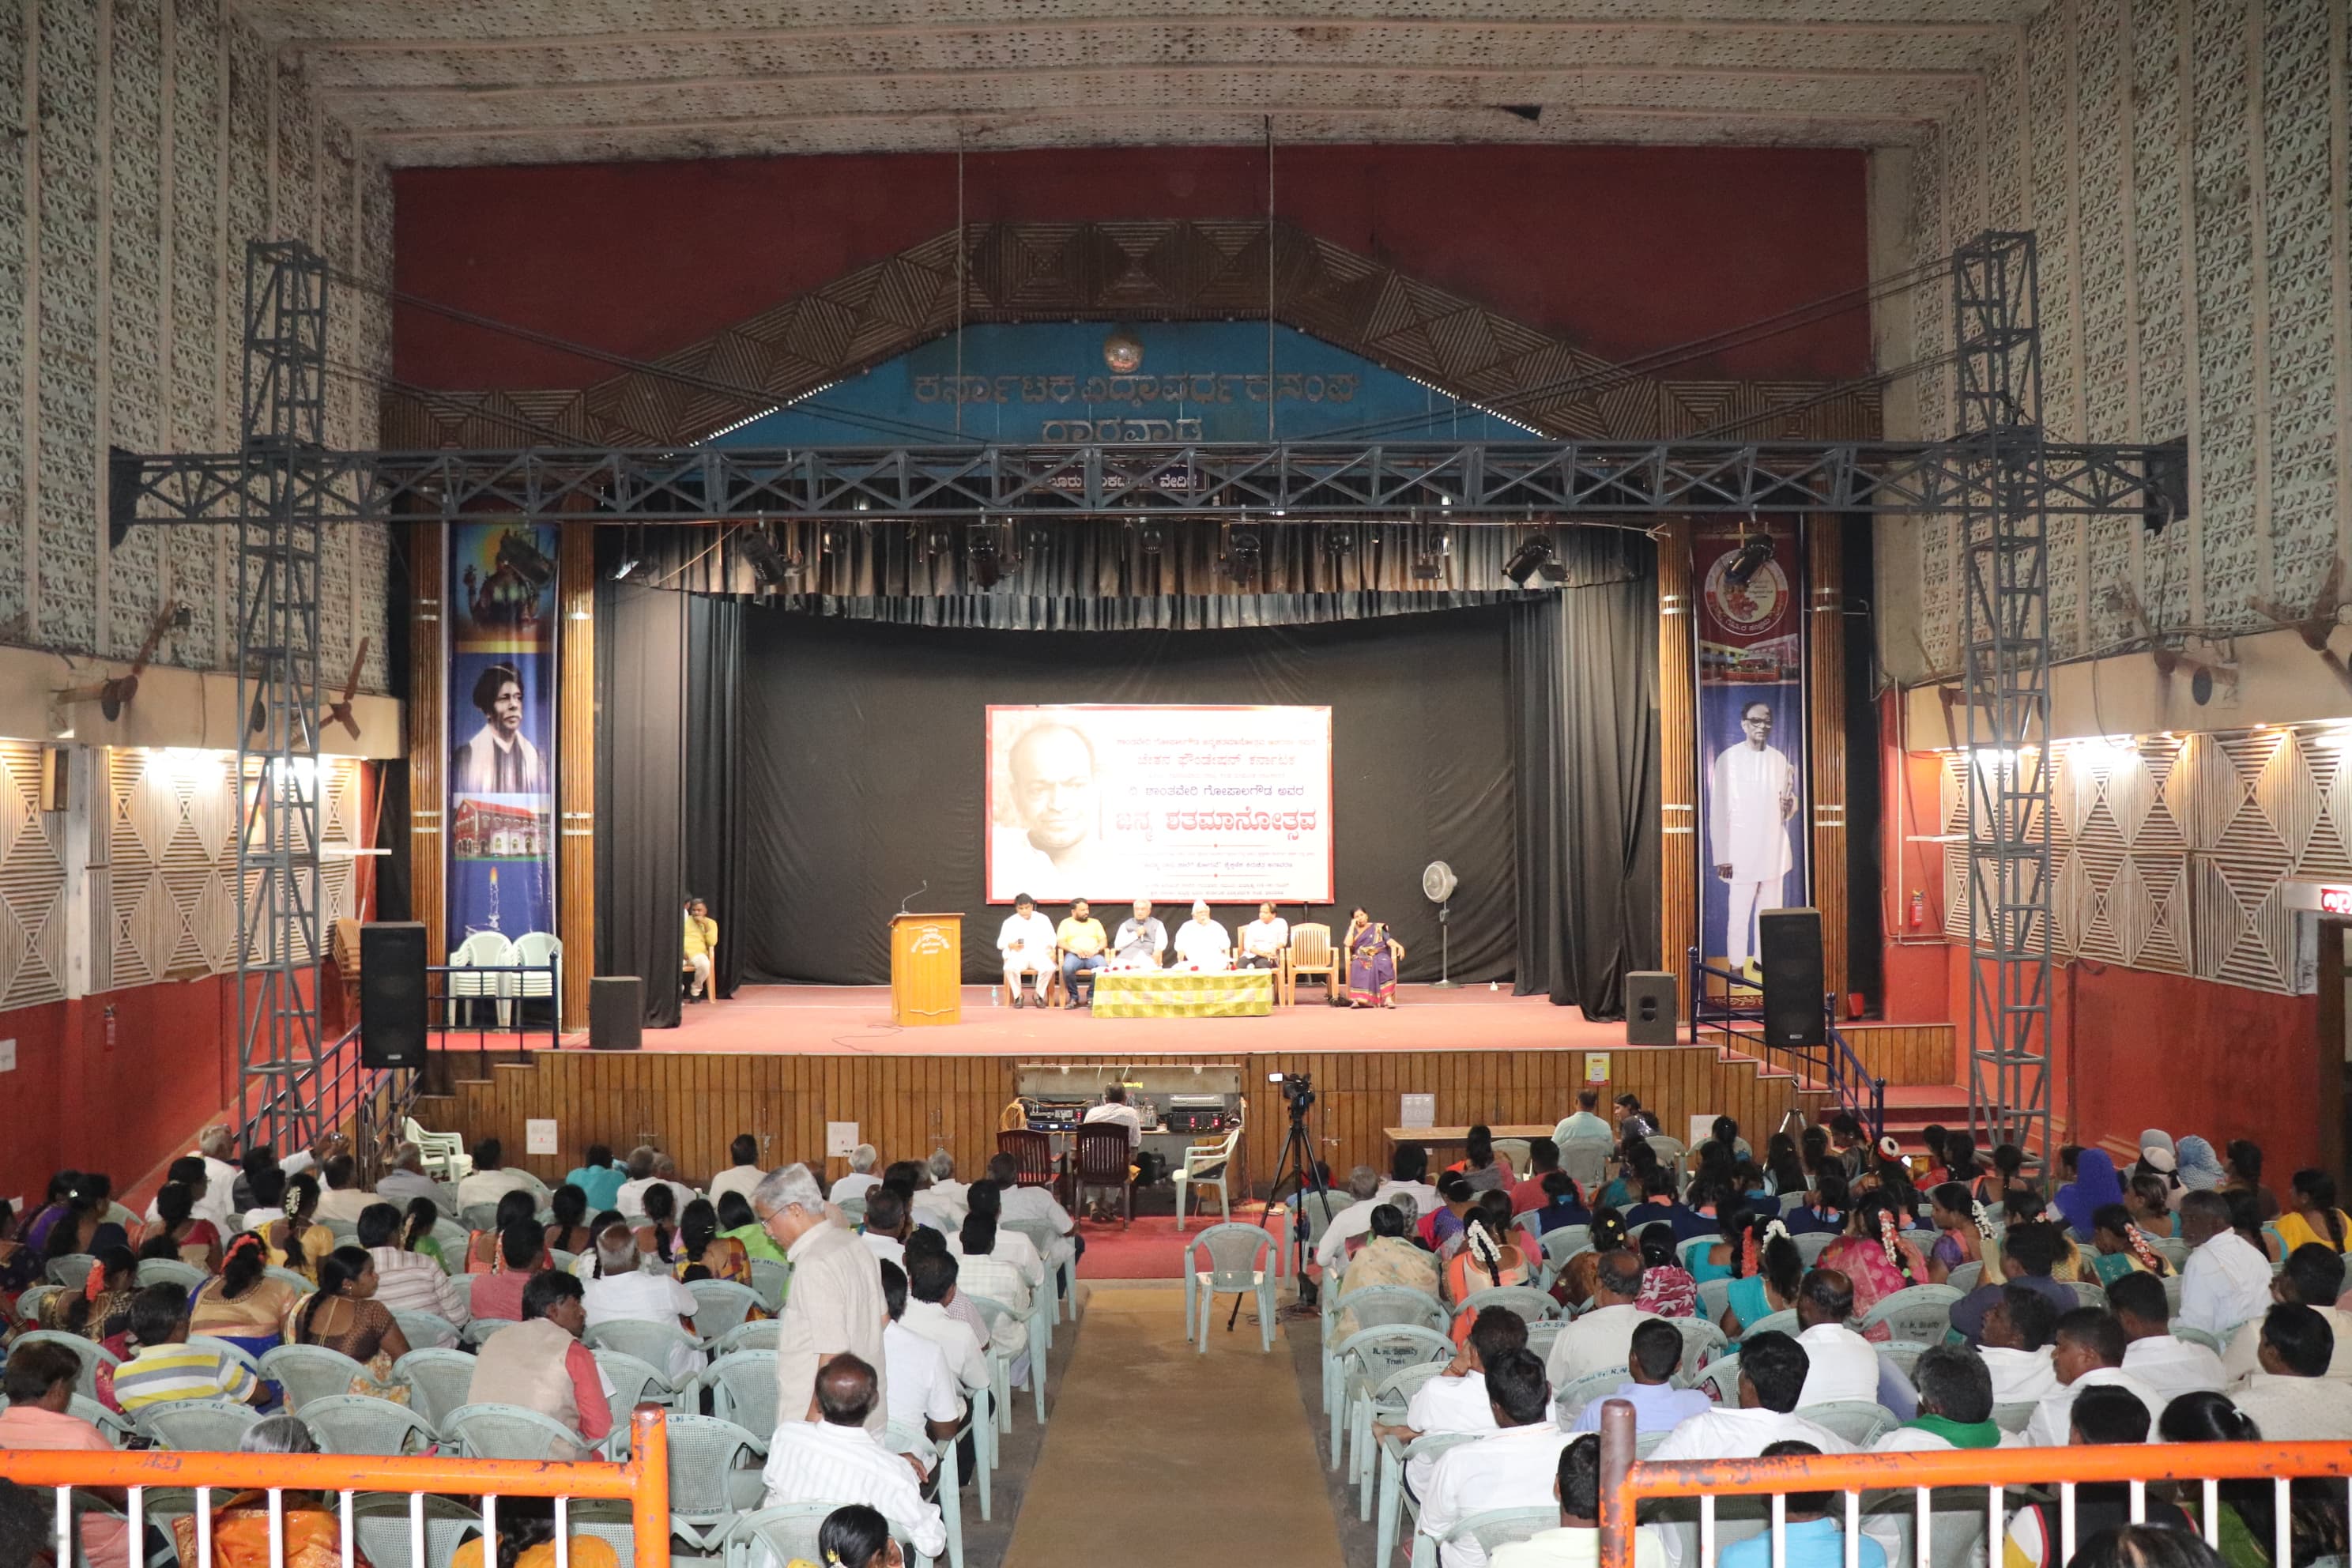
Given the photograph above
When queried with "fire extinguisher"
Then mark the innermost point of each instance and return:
(1919, 909)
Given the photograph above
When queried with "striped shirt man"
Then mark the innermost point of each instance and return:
(817, 1462)
(1001, 1282)
(412, 1282)
(160, 1374)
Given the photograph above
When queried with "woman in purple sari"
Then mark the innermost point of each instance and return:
(1372, 957)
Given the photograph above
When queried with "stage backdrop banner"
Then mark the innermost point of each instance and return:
(502, 810)
(1166, 802)
(1751, 734)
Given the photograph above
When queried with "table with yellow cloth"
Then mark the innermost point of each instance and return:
(1181, 994)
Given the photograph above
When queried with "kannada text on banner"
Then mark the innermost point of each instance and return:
(1166, 803)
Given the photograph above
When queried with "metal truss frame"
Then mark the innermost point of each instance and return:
(1999, 476)
(278, 534)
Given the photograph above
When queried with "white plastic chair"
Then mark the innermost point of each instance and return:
(89, 1353)
(1966, 1276)
(1721, 1381)
(770, 1280)
(382, 1523)
(742, 1387)
(1384, 1403)
(720, 1306)
(1571, 1398)
(635, 1381)
(309, 1372)
(2013, 1418)
(1000, 1362)
(357, 1424)
(438, 1381)
(445, 1152)
(1365, 1357)
(1395, 1504)
(1919, 1312)
(534, 950)
(1859, 1421)
(1240, 1262)
(759, 1334)
(427, 1330)
(787, 1531)
(941, 1459)
(1205, 1166)
(1495, 1527)
(509, 1432)
(1061, 1277)
(1813, 1244)
(651, 1342)
(708, 1487)
(471, 977)
(1783, 1321)
(1702, 1342)
(198, 1426)
(171, 1271)
(1714, 1296)
(72, 1270)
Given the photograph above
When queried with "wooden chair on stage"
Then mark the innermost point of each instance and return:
(1309, 953)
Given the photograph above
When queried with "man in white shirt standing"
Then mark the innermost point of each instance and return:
(1202, 942)
(1602, 1339)
(2170, 1366)
(1772, 1370)
(835, 1309)
(1516, 1468)
(1752, 797)
(1026, 942)
(626, 1290)
(837, 1458)
(1264, 938)
(2227, 1280)
(743, 1175)
(2089, 1353)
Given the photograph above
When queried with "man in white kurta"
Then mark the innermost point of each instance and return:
(1751, 797)
(1202, 941)
(1026, 942)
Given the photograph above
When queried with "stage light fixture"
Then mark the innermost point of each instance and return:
(1527, 559)
(987, 566)
(1151, 538)
(768, 562)
(1243, 550)
(1749, 562)
(1340, 540)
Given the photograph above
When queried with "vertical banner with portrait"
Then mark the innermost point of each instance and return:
(501, 707)
(1751, 731)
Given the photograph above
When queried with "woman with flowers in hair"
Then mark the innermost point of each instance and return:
(1874, 1255)
(1963, 1233)
(99, 1308)
(2121, 1247)
(1766, 1270)
(243, 1305)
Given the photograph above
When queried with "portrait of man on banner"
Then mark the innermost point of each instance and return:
(501, 729)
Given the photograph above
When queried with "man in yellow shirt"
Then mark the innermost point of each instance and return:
(1080, 940)
(701, 948)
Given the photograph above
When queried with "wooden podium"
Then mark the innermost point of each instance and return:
(926, 969)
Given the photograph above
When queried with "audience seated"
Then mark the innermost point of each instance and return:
(886, 1227)
(242, 1304)
(1767, 1271)
(2312, 1218)
(98, 1307)
(624, 1288)
(406, 1182)
(1009, 1245)
(540, 1364)
(1037, 1204)
(836, 1459)
(1667, 1288)
(861, 1178)
(1603, 1338)
(1455, 1400)
(1840, 1363)
(1811, 1538)
(167, 1368)
(1772, 1371)
(1955, 1406)
(738, 1224)
(1352, 1223)
(2227, 1279)
(1527, 1192)
(742, 1177)
(567, 1225)
(1576, 1544)
(1658, 1405)
(177, 1233)
(2314, 1276)
(498, 1295)
(2102, 1415)
(1516, 1466)
(942, 1204)
(1874, 1255)
(344, 1197)
(39, 1383)
(2018, 1332)
(2029, 1252)
(410, 1281)
(491, 1180)
(343, 1315)
(482, 1245)
(2292, 1397)
(598, 1178)
(2088, 1352)
(1585, 1121)
(1408, 1178)
(2170, 1366)
(931, 1272)
(986, 1270)
(924, 1396)
(1387, 1258)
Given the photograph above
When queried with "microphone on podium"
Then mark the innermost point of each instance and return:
(907, 902)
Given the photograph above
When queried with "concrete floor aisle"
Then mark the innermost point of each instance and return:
(1157, 1457)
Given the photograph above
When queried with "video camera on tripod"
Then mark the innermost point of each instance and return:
(1298, 1092)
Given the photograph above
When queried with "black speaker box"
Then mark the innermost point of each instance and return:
(1650, 1010)
(1794, 1011)
(393, 1003)
(616, 1013)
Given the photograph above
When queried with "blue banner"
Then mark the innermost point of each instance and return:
(500, 822)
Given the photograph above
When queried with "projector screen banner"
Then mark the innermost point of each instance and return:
(1170, 803)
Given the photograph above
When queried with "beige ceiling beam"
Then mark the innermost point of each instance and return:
(982, 124)
(1958, 79)
(1965, 33)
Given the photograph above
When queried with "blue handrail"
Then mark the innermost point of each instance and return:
(1835, 1064)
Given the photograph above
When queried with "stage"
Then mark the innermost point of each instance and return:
(829, 1020)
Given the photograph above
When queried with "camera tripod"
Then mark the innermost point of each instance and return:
(1297, 1158)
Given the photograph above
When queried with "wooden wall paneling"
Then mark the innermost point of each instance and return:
(1825, 737)
(1678, 755)
(428, 561)
(575, 766)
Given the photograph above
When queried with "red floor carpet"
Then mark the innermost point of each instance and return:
(824, 1020)
(1150, 1248)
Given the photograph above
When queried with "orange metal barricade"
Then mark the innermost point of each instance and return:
(1626, 1483)
(642, 1480)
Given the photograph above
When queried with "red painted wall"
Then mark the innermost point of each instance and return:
(1626, 249)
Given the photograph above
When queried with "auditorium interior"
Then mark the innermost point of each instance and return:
(1244, 613)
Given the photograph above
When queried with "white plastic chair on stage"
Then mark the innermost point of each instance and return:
(482, 952)
(535, 951)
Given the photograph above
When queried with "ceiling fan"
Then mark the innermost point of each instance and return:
(339, 710)
(113, 694)
(2316, 624)
(2205, 676)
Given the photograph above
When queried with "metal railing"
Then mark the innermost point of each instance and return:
(462, 990)
(1834, 1065)
(1627, 1483)
(642, 1481)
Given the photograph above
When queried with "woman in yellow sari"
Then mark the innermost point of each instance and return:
(1388, 1259)
(243, 1305)
(240, 1533)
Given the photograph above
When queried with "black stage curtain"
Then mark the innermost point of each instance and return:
(1585, 706)
(863, 771)
(714, 728)
(641, 798)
